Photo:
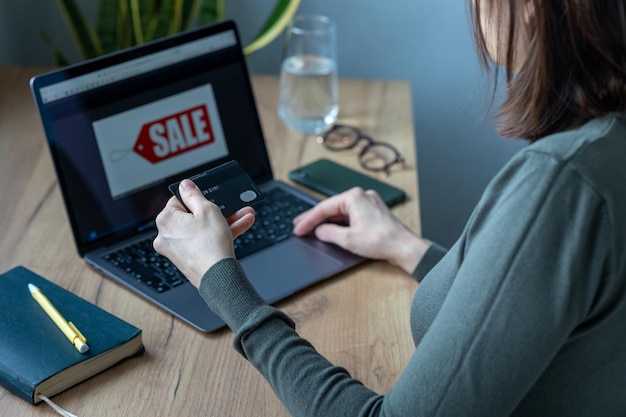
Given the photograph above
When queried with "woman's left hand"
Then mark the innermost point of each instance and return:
(194, 241)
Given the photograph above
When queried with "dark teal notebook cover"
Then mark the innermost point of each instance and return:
(32, 348)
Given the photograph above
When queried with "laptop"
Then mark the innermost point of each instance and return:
(122, 127)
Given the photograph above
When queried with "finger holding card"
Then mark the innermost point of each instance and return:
(227, 185)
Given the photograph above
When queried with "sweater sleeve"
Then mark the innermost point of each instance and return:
(433, 255)
(516, 285)
(307, 383)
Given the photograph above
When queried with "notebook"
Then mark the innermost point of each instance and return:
(36, 357)
(122, 127)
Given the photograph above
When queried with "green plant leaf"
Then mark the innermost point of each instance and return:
(124, 23)
(84, 35)
(189, 13)
(124, 26)
(279, 18)
(210, 11)
(162, 19)
(147, 8)
(152, 19)
(176, 17)
(135, 18)
(104, 27)
(58, 58)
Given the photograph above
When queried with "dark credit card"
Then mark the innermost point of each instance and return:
(227, 185)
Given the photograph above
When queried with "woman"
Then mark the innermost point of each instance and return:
(526, 314)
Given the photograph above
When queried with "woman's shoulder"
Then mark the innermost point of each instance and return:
(594, 144)
(594, 153)
(582, 164)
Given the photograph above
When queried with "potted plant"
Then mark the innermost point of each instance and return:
(124, 23)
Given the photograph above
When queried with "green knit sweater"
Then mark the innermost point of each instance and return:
(524, 316)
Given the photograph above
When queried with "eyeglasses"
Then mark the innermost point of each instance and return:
(374, 156)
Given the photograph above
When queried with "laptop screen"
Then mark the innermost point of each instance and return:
(122, 127)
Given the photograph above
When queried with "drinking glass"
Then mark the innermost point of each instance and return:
(308, 78)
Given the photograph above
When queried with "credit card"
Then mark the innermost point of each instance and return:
(227, 185)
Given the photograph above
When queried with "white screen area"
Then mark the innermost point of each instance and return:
(149, 143)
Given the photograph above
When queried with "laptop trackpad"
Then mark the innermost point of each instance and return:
(287, 267)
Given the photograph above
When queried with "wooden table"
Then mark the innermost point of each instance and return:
(358, 319)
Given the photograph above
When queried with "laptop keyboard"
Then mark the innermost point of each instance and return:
(273, 224)
(142, 262)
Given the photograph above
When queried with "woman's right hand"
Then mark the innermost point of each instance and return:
(360, 222)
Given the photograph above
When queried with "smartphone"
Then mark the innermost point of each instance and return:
(329, 178)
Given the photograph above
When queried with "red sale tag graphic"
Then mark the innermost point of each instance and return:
(175, 134)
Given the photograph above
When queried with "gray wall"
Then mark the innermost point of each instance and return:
(425, 42)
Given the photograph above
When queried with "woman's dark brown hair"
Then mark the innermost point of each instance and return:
(575, 69)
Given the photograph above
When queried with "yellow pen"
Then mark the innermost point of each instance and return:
(69, 330)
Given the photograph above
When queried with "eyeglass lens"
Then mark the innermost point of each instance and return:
(378, 156)
(375, 156)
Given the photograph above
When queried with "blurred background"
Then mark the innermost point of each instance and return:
(427, 43)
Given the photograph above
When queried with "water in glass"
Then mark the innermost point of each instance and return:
(308, 93)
